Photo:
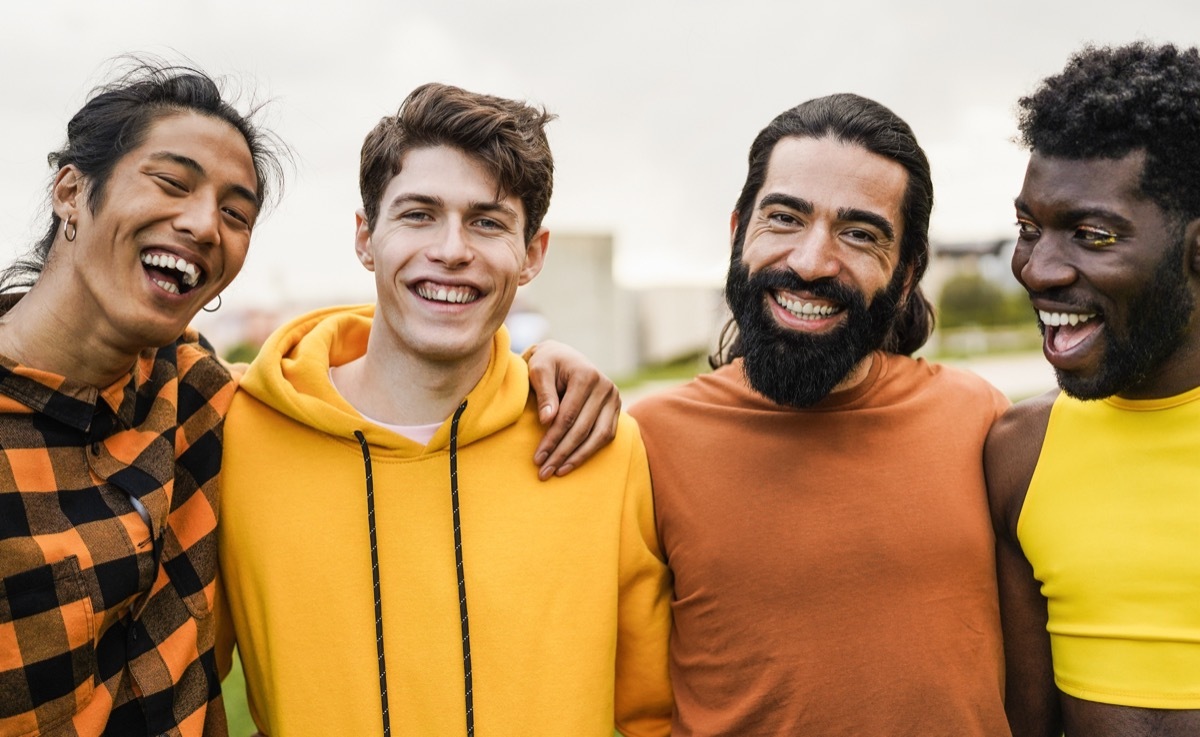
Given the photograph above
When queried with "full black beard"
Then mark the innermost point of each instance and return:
(1158, 317)
(799, 369)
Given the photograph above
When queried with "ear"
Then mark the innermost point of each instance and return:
(733, 221)
(1191, 240)
(68, 192)
(535, 256)
(363, 247)
(910, 283)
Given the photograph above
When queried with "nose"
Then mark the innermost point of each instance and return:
(814, 255)
(451, 249)
(1042, 265)
(201, 218)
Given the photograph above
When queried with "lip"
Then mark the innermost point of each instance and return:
(808, 324)
(180, 253)
(414, 284)
(1080, 356)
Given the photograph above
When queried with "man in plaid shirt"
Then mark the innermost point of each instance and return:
(110, 414)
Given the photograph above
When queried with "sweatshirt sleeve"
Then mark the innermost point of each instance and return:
(643, 700)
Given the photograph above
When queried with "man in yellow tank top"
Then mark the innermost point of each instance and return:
(1095, 490)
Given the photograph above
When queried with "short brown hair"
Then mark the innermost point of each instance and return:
(507, 136)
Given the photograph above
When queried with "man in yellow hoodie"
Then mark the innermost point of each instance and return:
(389, 554)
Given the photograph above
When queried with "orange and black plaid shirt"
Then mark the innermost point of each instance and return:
(108, 552)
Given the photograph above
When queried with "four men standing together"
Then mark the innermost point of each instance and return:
(820, 502)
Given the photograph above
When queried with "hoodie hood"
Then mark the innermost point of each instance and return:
(291, 375)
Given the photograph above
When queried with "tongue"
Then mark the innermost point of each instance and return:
(170, 275)
(1065, 337)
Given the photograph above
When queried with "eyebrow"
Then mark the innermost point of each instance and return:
(852, 214)
(194, 166)
(1074, 215)
(432, 201)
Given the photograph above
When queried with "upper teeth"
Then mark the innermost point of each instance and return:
(804, 309)
(1064, 318)
(440, 293)
(191, 273)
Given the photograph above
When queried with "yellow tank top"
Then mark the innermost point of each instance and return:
(1111, 524)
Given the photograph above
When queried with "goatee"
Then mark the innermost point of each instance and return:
(800, 369)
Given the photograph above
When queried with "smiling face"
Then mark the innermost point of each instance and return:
(1107, 272)
(817, 285)
(170, 232)
(448, 253)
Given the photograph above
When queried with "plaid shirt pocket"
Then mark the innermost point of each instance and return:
(47, 651)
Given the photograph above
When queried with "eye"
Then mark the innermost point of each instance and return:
(416, 216)
(490, 224)
(1095, 237)
(1026, 230)
(237, 215)
(171, 183)
(861, 235)
(786, 219)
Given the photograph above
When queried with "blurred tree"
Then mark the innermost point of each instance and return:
(970, 299)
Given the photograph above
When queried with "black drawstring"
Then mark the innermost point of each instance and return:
(462, 581)
(383, 692)
(458, 563)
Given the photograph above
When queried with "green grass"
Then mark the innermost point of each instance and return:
(234, 690)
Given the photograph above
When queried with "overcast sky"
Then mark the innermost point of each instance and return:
(657, 102)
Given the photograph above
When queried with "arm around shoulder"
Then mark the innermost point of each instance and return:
(1010, 457)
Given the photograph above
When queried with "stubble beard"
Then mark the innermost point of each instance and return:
(1158, 318)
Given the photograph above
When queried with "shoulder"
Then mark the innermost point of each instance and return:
(1011, 455)
(957, 390)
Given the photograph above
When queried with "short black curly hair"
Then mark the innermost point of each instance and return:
(1111, 101)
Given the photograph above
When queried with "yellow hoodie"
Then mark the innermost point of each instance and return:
(567, 595)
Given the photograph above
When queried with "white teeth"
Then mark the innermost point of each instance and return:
(454, 295)
(166, 285)
(190, 272)
(1055, 319)
(804, 309)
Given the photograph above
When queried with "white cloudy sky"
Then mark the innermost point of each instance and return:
(658, 101)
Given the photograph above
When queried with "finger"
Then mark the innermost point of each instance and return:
(543, 382)
(567, 431)
(596, 440)
(592, 421)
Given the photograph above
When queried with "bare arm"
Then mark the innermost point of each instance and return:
(580, 404)
(1010, 456)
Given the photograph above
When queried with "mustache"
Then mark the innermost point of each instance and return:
(1063, 297)
(774, 279)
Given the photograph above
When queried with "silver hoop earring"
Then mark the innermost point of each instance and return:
(69, 230)
(206, 309)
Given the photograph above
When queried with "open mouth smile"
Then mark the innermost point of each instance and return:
(172, 273)
(1066, 331)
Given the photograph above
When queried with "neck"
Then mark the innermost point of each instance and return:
(401, 389)
(857, 375)
(45, 334)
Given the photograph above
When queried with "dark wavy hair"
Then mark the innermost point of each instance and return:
(860, 121)
(506, 136)
(117, 118)
(1112, 101)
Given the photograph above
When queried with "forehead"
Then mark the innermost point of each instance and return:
(219, 148)
(1053, 183)
(832, 174)
(449, 174)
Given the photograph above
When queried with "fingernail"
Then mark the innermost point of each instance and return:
(546, 473)
(540, 458)
(545, 413)
(566, 469)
